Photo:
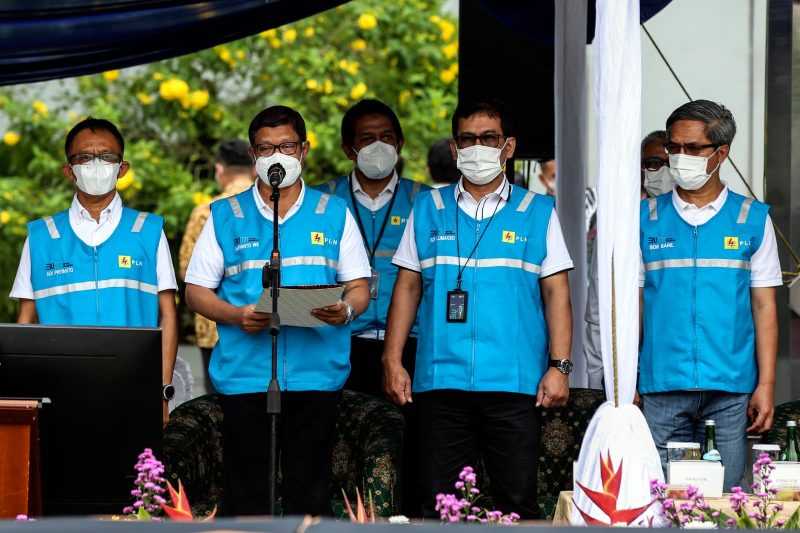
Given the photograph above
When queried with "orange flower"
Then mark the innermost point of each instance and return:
(181, 512)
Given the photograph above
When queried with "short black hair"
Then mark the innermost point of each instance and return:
(275, 116)
(491, 106)
(233, 153)
(441, 164)
(363, 108)
(94, 124)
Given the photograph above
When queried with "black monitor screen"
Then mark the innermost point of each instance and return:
(104, 391)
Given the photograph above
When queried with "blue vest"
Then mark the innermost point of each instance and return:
(503, 344)
(698, 325)
(374, 318)
(113, 284)
(308, 358)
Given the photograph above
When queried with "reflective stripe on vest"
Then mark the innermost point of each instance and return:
(237, 209)
(437, 199)
(102, 284)
(684, 263)
(308, 260)
(51, 228)
(653, 205)
(523, 205)
(480, 263)
(322, 204)
(414, 191)
(744, 210)
(137, 225)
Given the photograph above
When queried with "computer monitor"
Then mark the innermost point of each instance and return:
(105, 407)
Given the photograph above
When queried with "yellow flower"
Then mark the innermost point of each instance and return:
(158, 76)
(312, 85)
(39, 107)
(240, 54)
(367, 21)
(312, 139)
(290, 35)
(7, 195)
(448, 29)
(275, 43)
(5, 217)
(352, 68)
(268, 34)
(198, 99)
(450, 50)
(137, 185)
(442, 112)
(111, 75)
(72, 116)
(11, 138)
(125, 181)
(309, 32)
(359, 44)
(342, 101)
(173, 89)
(358, 91)
(199, 197)
(436, 19)
(225, 55)
(403, 97)
(185, 103)
(328, 88)
(447, 76)
(217, 115)
(144, 98)
(343, 64)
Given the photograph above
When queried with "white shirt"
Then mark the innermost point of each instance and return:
(207, 265)
(765, 267)
(94, 233)
(556, 260)
(383, 198)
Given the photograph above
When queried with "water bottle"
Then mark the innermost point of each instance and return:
(710, 451)
(791, 448)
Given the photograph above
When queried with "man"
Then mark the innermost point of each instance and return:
(547, 175)
(709, 270)
(441, 165)
(655, 180)
(99, 263)
(380, 201)
(485, 262)
(319, 244)
(234, 173)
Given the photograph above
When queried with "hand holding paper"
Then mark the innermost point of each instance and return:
(296, 304)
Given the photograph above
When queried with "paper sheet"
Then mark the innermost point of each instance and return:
(295, 303)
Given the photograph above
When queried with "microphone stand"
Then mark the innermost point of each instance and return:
(271, 278)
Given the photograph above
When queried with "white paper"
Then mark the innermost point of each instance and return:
(295, 303)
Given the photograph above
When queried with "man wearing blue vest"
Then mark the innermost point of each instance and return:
(319, 245)
(99, 263)
(380, 201)
(486, 264)
(708, 275)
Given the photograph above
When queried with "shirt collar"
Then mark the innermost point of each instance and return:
(390, 187)
(716, 205)
(79, 214)
(503, 190)
(267, 209)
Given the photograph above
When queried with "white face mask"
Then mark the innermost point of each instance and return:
(376, 160)
(97, 177)
(689, 171)
(290, 164)
(658, 182)
(480, 164)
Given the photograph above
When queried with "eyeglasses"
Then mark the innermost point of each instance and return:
(690, 149)
(83, 158)
(266, 150)
(487, 139)
(654, 163)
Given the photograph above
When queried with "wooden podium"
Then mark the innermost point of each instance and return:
(20, 478)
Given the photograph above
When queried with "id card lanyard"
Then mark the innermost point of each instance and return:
(374, 280)
(457, 299)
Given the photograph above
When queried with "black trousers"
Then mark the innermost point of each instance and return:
(366, 375)
(306, 433)
(206, 354)
(505, 427)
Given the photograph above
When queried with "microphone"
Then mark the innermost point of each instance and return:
(275, 174)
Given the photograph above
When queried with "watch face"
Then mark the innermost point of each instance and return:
(565, 366)
(168, 392)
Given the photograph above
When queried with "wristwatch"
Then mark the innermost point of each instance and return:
(563, 365)
(351, 313)
(168, 392)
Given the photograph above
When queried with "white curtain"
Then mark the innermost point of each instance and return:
(570, 143)
(618, 429)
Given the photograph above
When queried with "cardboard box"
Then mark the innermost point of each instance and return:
(786, 475)
(707, 476)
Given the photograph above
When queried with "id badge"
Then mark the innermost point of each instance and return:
(457, 305)
(374, 283)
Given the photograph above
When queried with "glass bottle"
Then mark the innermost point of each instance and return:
(710, 451)
(791, 449)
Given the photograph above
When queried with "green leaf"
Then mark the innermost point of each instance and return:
(142, 514)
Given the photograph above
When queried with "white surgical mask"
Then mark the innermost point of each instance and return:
(480, 164)
(689, 171)
(290, 164)
(376, 160)
(658, 182)
(96, 177)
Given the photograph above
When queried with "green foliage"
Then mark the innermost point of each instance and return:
(173, 113)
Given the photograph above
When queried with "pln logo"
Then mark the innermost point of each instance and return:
(317, 237)
(509, 236)
(124, 261)
(396, 220)
(731, 243)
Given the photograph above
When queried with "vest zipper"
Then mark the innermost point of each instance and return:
(96, 287)
(474, 305)
(694, 309)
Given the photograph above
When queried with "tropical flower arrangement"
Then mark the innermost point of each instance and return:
(757, 511)
(464, 506)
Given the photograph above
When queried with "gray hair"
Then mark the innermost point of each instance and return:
(657, 135)
(720, 125)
